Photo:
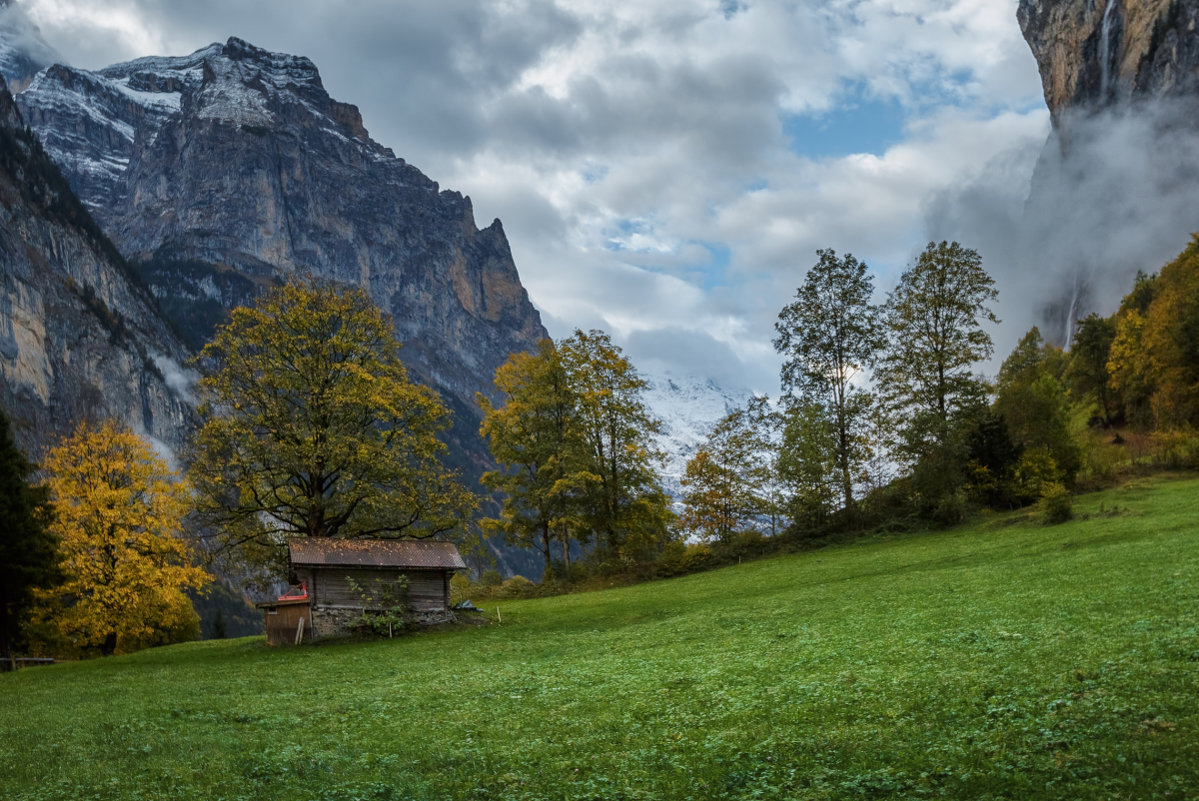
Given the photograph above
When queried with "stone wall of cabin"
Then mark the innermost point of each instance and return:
(331, 621)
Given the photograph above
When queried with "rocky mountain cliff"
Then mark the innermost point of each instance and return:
(237, 158)
(1096, 53)
(80, 338)
(1117, 182)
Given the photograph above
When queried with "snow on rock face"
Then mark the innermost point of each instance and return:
(688, 407)
(88, 121)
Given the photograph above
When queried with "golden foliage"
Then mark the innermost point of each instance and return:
(119, 509)
(314, 429)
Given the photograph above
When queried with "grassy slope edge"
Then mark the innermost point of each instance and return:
(1000, 660)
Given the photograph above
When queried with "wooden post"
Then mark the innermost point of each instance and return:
(300, 630)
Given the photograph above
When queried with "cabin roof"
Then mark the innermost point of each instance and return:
(375, 553)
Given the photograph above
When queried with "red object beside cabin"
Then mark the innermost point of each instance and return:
(295, 596)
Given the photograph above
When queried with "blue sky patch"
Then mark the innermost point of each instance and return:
(863, 125)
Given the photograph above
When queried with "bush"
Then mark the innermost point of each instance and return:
(1056, 504)
(670, 560)
(460, 588)
(953, 508)
(1177, 449)
(1035, 471)
(517, 587)
(696, 557)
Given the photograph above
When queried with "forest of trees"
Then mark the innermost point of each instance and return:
(310, 426)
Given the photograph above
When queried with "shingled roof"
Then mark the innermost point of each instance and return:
(375, 553)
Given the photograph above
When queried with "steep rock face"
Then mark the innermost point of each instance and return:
(79, 339)
(237, 157)
(1095, 53)
(1118, 179)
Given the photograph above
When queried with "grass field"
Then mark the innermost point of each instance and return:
(1002, 660)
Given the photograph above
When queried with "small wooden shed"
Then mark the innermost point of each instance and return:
(345, 577)
(287, 620)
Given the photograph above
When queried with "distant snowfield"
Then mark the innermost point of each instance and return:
(688, 406)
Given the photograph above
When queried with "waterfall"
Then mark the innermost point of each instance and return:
(1105, 51)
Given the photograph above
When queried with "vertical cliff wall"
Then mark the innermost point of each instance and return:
(79, 337)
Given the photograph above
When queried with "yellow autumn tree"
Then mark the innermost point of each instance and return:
(119, 510)
(312, 428)
(1171, 342)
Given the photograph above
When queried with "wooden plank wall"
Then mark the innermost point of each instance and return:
(282, 622)
(428, 590)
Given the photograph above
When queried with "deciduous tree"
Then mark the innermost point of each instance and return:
(724, 482)
(935, 335)
(312, 428)
(828, 335)
(533, 432)
(625, 505)
(119, 510)
(1033, 404)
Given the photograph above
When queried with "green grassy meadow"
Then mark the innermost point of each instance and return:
(1001, 660)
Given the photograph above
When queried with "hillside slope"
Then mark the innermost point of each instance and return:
(1007, 660)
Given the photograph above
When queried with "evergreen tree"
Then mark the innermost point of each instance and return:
(29, 558)
(1087, 371)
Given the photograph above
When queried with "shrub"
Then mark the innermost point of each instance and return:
(952, 508)
(670, 560)
(1055, 505)
(1035, 471)
(696, 556)
(460, 588)
(1177, 449)
(517, 587)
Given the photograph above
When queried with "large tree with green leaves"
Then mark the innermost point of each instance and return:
(625, 507)
(532, 430)
(312, 428)
(28, 543)
(1087, 373)
(828, 335)
(806, 464)
(1033, 403)
(934, 320)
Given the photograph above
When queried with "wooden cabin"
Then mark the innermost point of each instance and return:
(344, 578)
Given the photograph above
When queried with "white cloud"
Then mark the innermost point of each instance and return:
(569, 120)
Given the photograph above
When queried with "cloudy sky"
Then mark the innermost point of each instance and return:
(664, 169)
